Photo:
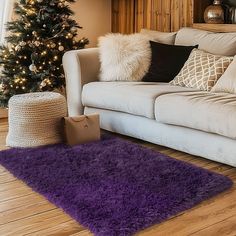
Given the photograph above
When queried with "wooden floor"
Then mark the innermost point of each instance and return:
(24, 212)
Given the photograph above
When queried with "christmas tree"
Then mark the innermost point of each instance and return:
(31, 59)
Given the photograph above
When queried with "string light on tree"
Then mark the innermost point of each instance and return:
(37, 40)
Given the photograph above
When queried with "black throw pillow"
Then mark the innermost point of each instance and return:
(167, 61)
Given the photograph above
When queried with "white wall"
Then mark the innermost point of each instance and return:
(95, 18)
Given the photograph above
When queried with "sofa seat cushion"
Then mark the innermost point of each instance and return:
(136, 98)
(209, 112)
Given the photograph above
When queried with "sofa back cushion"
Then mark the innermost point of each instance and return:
(215, 43)
(161, 37)
(227, 82)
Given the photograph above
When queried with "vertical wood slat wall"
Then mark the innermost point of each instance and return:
(129, 16)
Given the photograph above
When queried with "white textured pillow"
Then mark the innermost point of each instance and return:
(124, 57)
(227, 82)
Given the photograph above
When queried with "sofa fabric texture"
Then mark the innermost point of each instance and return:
(166, 62)
(215, 43)
(209, 112)
(202, 70)
(161, 37)
(135, 98)
(227, 82)
(124, 57)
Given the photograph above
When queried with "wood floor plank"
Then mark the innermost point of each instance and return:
(226, 227)
(11, 185)
(68, 228)
(5, 178)
(15, 203)
(14, 193)
(34, 223)
(23, 212)
(83, 233)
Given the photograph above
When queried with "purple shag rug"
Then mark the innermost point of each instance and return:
(113, 187)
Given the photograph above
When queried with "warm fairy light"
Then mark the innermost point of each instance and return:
(55, 58)
(16, 81)
(30, 12)
(43, 53)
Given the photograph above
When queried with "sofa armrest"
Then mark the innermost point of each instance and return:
(80, 67)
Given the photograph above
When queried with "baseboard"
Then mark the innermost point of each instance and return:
(3, 113)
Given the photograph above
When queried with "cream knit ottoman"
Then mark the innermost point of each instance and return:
(35, 119)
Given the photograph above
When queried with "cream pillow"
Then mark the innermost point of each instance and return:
(161, 37)
(124, 57)
(227, 82)
(202, 70)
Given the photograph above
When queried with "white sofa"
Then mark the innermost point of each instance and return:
(197, 122)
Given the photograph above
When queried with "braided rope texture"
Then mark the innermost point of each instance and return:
(35, 119)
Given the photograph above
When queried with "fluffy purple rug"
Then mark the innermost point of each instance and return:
(113, 187)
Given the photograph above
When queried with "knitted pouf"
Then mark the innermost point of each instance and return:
(35, 119)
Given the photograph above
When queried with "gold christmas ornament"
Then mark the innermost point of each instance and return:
(61, 48)
(22, 43)
(33, 67)
(36, 43)
(70, 35)
(18, 47)
(53, 45)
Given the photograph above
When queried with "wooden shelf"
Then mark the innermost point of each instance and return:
(215, 27)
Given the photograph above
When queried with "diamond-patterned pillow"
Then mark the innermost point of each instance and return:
(202, 70)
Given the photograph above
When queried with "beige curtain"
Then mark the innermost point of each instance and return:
(6, 9)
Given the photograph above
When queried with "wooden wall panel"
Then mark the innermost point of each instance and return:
(130, 16)
(181, 14)
(123, 16)
(143, 14)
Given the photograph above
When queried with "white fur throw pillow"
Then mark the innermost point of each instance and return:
(124, 57)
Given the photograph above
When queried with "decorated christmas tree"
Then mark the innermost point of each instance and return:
(31, 59)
